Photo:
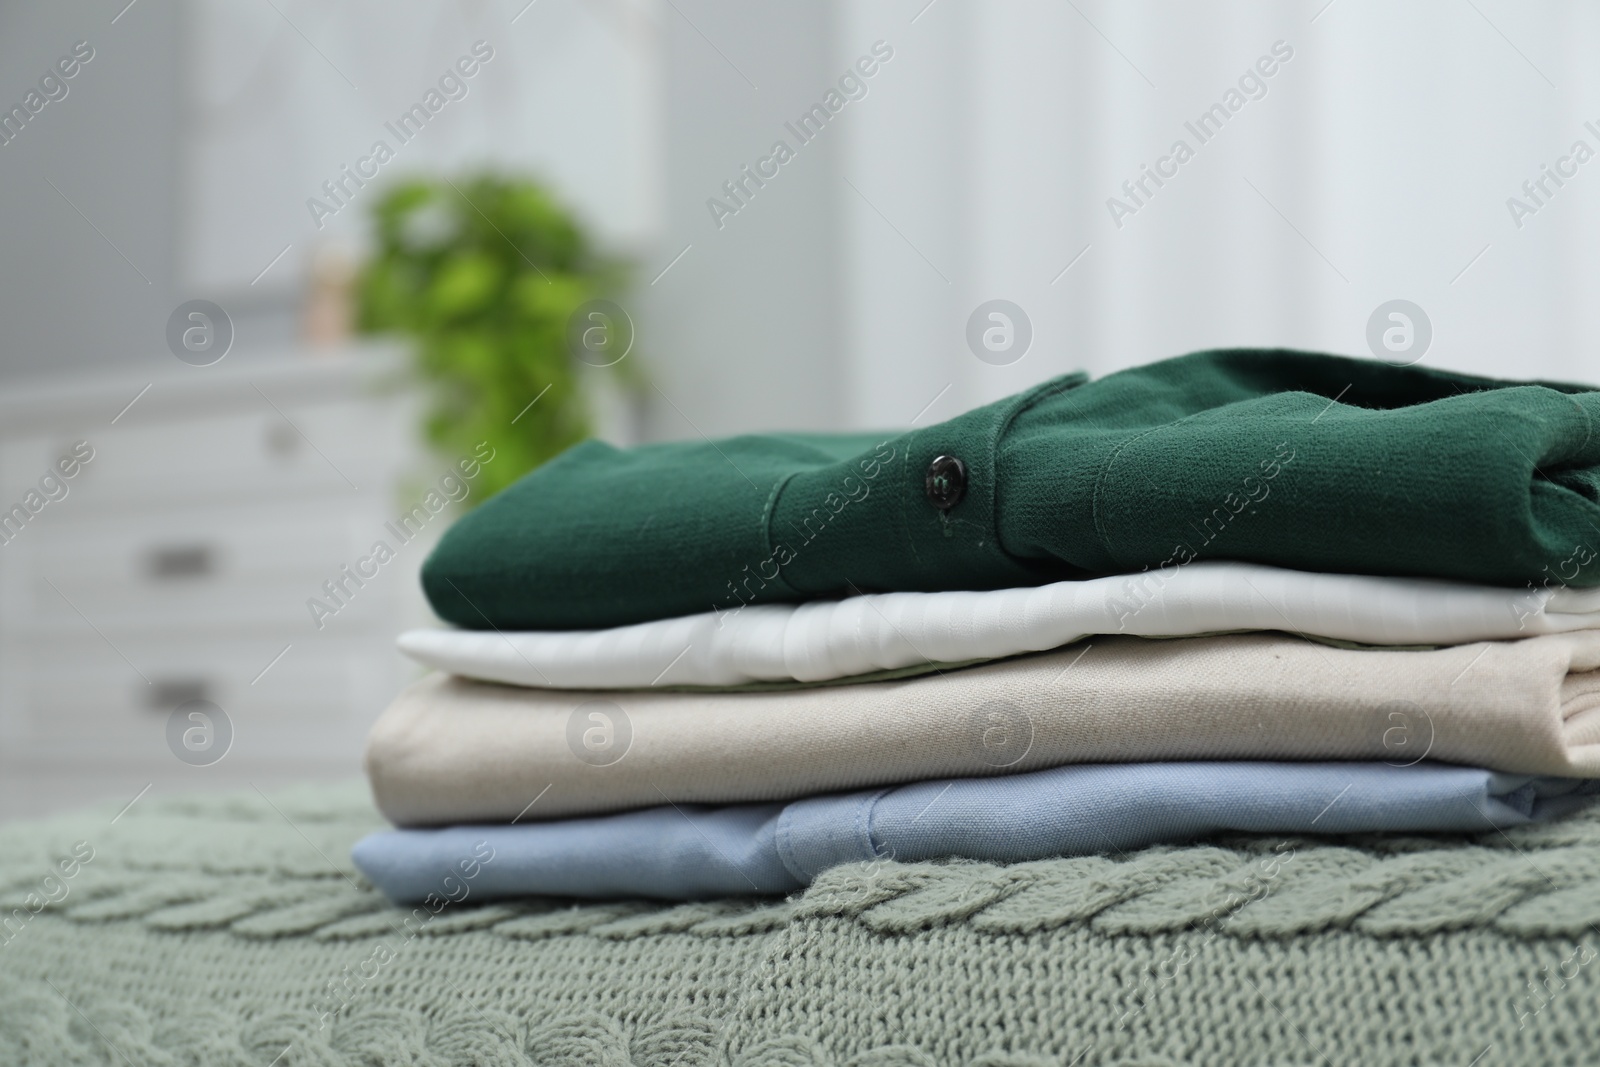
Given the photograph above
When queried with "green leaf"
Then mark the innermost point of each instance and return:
(466, 284)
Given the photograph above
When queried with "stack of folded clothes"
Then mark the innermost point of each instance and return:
(1245, 591)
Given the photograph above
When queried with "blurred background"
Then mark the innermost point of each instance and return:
(264, 344)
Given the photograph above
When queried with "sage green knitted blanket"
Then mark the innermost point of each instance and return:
(235, 931)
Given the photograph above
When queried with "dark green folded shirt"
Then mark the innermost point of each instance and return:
(1301, 460)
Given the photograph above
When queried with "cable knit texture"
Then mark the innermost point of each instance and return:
(235, 931)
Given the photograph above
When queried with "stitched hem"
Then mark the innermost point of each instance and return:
(1066, 383)
(767, 512)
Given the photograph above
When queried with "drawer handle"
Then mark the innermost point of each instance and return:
(164, 694)
(176, 562)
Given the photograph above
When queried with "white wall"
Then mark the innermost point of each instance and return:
(275, 114)
(90, 289)
(195, 137)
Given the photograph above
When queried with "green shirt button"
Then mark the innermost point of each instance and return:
(946, 482)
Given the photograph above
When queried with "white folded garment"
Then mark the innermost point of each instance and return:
(824, 640)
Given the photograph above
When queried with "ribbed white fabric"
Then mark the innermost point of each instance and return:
(824, 640)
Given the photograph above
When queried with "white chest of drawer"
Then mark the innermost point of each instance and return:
(179, 562)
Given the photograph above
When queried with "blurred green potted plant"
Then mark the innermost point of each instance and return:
(486, 275)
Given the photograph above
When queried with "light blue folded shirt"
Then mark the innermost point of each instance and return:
(686, 852)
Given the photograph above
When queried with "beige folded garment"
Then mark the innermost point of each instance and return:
(450, 750)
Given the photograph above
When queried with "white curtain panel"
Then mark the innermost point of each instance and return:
(1374, 164)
